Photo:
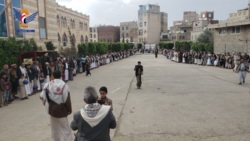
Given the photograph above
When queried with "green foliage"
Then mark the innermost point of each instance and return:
(164, 45)
(102, 48)
(49, 45)
(139, 46)
(201, 47)
(183, 45)
(206, 37)
(11, 48)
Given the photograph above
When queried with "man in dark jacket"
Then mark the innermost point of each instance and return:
(94, 121)
(47, 72)
(138, 73)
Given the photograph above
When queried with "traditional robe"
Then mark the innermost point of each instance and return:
(59, 93)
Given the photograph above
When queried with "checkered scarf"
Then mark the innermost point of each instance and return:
(92, 109)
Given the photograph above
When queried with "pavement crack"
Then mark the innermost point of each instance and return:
(121, 113)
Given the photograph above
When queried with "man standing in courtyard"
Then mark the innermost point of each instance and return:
(138, 73)
(56, 99)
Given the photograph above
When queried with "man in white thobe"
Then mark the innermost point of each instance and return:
(58, 92)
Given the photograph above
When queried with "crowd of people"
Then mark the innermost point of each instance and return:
(226, 60)
(20, 82)
(238, 62)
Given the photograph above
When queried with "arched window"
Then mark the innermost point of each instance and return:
(73, 23)
(65, 22)
(62, 21)
(58, 20)
(74, 38)
(59, 39)
(82, 39)
(65, 40)
(86, 39)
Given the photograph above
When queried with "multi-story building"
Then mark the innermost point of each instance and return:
(190, 16)
(128, 32)
(180, 31)
(200, 25)
(164, 22)
(151, 22)
(233, 34)
(108, 34)
(93, 34)
(73, 21)
(52, 22)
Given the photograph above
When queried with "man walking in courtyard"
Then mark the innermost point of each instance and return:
(138, 73)
(242, 69)
(56, 98)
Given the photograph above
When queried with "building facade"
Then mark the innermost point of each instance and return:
(128, 32)
(108, 34)
(205, 18)
(190, 16)
(233, 34)
(151, 22)
(52, 23)
(93, 34)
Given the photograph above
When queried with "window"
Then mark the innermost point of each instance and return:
(90, 29)
(126, 34)
(74, 38)
(126, 28)
(82, 40)
(58, 20)
(62, 21)
(86, 26)
(94, 36)
(122, 28)
(145, 23)
(86, 39)
(65, 22)
(236, 30)
(59, 39)
(222, 31)
(17, 5)
(65, 40)
(42, 28)
(3, 23)
(90, 35)
(140, 32)
(140, 24)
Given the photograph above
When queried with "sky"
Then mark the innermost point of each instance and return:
(112, 12)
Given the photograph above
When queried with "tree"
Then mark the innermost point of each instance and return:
(71, 51)
(49, 45)
(206, 37)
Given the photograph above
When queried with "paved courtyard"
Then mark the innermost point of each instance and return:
(177, 102)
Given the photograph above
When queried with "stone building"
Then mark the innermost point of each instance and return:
(93, 34)
(205, 18)
(128, 32)
(180, 31)
(233, 34)
(190, 16)
(151, 22)
(108, 34)
(52, 22)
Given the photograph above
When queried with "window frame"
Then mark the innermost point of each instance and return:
(15, 20)
(6, 22)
